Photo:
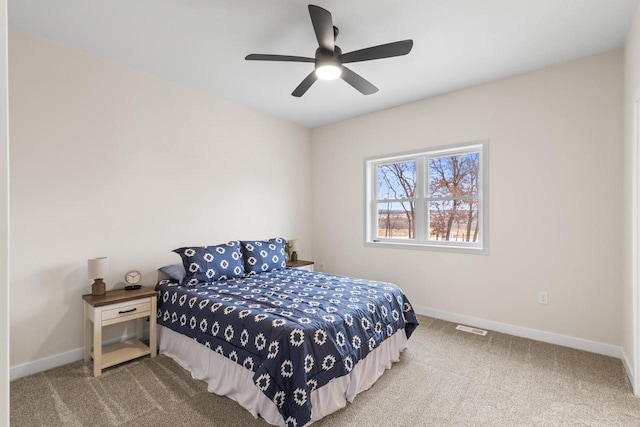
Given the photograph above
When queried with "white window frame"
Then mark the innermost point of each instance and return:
(421, 237)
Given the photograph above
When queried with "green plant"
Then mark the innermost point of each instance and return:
(287, 249)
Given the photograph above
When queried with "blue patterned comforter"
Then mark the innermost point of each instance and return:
(294, 329)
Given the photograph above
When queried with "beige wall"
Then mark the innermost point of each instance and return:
(109, 161)
(555, 157)
(631, 91)
(4, 223)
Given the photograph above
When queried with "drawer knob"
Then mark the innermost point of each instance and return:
(127, 311)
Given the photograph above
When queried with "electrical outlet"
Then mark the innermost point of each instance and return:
(543, 297)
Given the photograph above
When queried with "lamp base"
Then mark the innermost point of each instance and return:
(98, 287)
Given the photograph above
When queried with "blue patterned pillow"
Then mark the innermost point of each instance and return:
(263, 255)
(206, 264)
(175, 272)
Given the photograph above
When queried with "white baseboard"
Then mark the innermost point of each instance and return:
(44, 364)
(505, 328)
(54, 361)
(520, 331)
(627, 368)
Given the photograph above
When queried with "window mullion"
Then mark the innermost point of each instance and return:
(466, 197)
(393, 200)
(427, 179)
(419, 220)
(373, 208)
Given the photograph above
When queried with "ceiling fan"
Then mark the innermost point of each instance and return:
(329, 58)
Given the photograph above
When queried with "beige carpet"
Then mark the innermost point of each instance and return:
(445, 377)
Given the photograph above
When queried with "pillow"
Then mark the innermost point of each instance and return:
(206, 264)
(174, 271)
(263, 255)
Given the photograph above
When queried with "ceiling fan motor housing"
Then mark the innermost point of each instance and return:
(326, 57)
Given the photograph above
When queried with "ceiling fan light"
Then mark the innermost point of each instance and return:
(328, 72)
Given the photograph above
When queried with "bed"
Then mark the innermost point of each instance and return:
(291, 346)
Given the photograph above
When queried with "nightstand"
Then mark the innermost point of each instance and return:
(301, 265)
(118, 306)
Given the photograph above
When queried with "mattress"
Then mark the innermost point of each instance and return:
(292, 331)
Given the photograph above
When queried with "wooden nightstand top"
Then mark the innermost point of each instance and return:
(299, 263)
(118, 295)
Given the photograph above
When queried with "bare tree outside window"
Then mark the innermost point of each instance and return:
(453, 197)
(396, 194)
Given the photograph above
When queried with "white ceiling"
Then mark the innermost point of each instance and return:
(202, 44)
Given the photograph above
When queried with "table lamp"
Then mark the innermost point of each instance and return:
(98, 268)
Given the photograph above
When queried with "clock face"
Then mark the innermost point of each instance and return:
(132, 277)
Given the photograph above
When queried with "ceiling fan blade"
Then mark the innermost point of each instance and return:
(287, 58)
(323, 26)
(358, 82)
(305, 85)
(378, 52)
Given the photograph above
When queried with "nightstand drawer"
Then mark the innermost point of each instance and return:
(135, 308)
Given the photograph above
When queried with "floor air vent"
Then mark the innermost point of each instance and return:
(471, 330)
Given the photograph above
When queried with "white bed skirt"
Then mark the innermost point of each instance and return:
(227, 378)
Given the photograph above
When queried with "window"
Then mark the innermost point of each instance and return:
(434, 199)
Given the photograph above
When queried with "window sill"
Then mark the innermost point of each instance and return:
(477, 250)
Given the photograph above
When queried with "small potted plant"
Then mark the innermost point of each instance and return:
(287, 249)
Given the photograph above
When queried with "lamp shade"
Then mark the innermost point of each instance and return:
(98, 267)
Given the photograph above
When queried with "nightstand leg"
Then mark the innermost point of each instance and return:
(87, 333)
(152, 327)
(97, 343)
(139, 324)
